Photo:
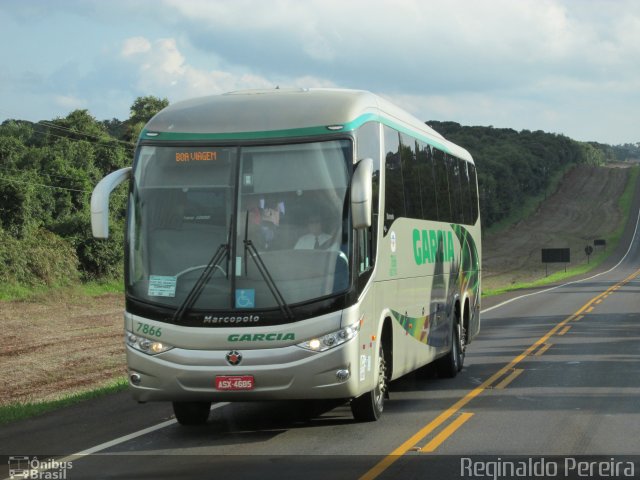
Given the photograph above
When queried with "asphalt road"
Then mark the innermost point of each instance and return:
(552, 383)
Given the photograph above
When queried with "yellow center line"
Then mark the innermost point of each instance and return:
(510, 378)
(564, 330)
(390, 459)
(544, 348)
(446, 433)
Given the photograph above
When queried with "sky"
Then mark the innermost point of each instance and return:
(569, 67)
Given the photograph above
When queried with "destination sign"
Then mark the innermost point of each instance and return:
(197, 156)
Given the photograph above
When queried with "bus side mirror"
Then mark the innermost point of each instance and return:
(100, 201)
(361, 194)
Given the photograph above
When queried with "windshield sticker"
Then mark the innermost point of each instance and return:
(245, 298)
(162, 286)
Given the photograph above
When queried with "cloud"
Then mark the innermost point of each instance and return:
(69, 102)
(135, 45)
(417, 45)
(162, 68)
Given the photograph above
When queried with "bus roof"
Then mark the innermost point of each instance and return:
(254, 114)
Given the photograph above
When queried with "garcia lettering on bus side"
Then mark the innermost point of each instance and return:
(432, 246)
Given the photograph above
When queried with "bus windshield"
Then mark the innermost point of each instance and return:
(282, 206)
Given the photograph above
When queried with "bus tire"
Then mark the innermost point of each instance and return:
(191, 413)
(449, 365)
(369, 406)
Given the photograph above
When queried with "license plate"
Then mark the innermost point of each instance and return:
(234, 382)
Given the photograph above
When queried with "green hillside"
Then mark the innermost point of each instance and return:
(514, 167)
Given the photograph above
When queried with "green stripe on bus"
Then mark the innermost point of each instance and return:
(265, 134)
(289, 133)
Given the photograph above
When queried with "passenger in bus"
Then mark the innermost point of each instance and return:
(315, 238)
(254, 212)
(263, 221)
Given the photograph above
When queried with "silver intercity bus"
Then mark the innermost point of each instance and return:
(294, 244)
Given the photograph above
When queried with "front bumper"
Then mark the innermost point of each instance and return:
(279, 373)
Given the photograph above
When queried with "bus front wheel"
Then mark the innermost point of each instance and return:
(191, 413)
(369, 406)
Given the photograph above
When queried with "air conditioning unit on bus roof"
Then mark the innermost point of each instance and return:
(263, 91)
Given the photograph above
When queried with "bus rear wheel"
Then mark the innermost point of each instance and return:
(191, 413)
(449, 365)
(369, 406)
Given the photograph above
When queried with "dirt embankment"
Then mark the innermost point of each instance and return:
(584, 208)
(60, 344)
(65, 343)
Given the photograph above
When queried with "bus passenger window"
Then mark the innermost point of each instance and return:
(467, 206)
(427, 182)
(473, 187)
(442, 186)
(410, 176)
(364, 250)
(455, 196)
(365, 258)
(394, 186)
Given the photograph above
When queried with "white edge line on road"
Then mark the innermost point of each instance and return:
(139, 433)
(575, 281)
(117, 441)
(125, 438)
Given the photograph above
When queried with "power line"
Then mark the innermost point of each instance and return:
(52, 126)
(10, 180)
(66, 129)
(127, 147)
(53, 187)
(101, 142)
(65, 177)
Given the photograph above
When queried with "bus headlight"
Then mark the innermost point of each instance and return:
(331, 340)
(150, 347)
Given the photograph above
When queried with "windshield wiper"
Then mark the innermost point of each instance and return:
(264, 271)
(221, 253)
(205, 276)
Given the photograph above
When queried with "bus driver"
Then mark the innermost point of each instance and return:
(315, 238)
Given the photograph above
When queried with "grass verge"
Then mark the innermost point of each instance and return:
(624, 203)
(95, 289)
(9, 291)
(20, 411)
